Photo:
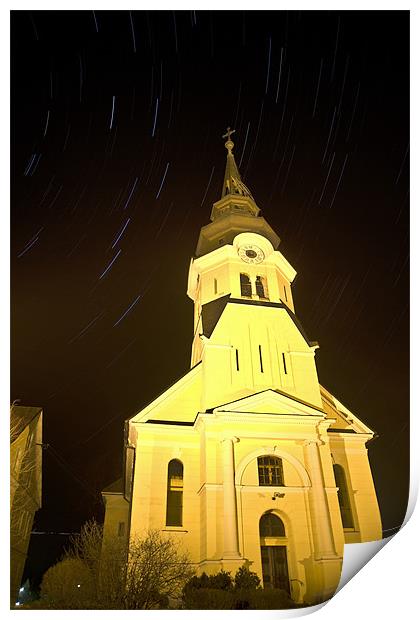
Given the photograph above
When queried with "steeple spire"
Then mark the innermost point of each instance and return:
(235, 212)
(232, 184)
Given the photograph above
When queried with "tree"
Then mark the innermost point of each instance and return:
(156, 572)
(69, 584)
(149, 574)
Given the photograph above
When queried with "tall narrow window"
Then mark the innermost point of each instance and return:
(285, 293)
(174, 493)
(237, 359)
(215, 286)
(270, 471)
(246, 290)
(343, 496)
(261, 360)
(284, 363)
(260, 287)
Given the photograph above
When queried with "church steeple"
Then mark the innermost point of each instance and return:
(235, 212)
(232, 183)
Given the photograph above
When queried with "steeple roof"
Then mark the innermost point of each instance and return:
(236, 211)
(232, 183)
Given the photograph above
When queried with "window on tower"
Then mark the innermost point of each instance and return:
(343, 496)
(270, 471)
(246, 289)
(284, 363)
(174, 493)
(261, 287)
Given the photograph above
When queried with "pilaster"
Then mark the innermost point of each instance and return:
(230, 519)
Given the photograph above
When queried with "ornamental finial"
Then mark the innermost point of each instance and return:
(229, 144)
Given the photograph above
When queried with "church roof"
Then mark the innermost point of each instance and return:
(212, 311)
(235, 212)
(345, 420)
(182, 398)
(115, 487)
(232, 183)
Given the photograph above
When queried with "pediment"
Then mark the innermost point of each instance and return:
(271, 402)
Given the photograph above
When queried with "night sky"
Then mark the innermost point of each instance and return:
(117, 157)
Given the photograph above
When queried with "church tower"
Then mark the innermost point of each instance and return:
(247, 459)
(245, 329)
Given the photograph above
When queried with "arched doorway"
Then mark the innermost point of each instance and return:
(273, 543)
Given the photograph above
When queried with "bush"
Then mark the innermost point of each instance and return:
(220, 581)
(244, 592)
(197, 583)
(69, 584)
(242, 599)
(209, 598)
(208, 592)
(270, 599)
(246, 579)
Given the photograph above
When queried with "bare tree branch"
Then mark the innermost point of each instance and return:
(148, 575)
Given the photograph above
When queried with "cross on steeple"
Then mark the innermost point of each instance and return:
(229, 133)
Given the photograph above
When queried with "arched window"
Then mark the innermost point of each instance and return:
(174, 493)
(270, 471)
(343, 496)
(246, 290)
(260, 287)
(271, 525)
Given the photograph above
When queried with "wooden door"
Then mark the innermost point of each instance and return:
(274, 567)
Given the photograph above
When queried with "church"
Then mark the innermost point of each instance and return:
(247, 459)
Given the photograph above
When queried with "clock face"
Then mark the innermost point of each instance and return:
(251, 254)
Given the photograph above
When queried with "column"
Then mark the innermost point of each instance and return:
(230, 520)
(321, 521)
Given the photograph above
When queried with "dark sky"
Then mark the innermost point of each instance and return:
(117, 157)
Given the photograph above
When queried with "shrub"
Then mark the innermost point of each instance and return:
(270, 599)
(244, 592)
(220, 581)
(195, 583)
(242, 599)
(246, 579)
(69, 584)
(209, 598)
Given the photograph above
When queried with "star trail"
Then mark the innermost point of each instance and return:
(117, 158)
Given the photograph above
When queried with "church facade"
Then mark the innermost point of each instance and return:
(247, 459)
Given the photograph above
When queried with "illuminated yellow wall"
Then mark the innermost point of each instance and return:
(253, 390)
